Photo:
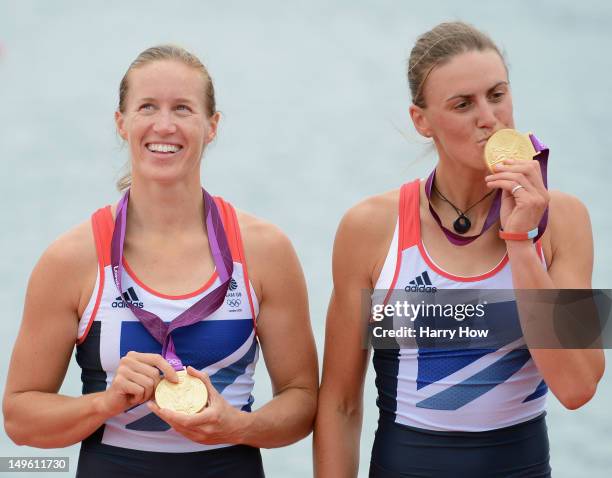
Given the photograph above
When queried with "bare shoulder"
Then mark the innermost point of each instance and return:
(566, 212)
(73, 249)
(69, 264)
(373, 217)
(363, 238)
(260, 236)
(268, 251)
(563, 203)
(568, 221)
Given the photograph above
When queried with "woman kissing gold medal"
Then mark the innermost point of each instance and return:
(508, 144)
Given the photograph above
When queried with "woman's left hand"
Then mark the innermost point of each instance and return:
(521, 211)
(217, 423)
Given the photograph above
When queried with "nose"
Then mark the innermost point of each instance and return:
(164, 123)
(486, 116)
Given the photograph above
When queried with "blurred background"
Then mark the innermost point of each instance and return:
(315, 118)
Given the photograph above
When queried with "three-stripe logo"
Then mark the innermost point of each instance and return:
(128, 296)
(421, 283)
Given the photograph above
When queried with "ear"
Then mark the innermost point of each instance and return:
(213, 124)
(419, 119)
(119, 122)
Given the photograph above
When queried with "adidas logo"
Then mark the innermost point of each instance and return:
(128, 296)
(233, 285)
(421, 283)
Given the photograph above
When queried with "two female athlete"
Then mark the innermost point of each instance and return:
(168, 246)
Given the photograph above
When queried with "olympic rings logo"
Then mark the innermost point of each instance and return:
(233, 302)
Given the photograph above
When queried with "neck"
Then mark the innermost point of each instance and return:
(463, 187)
(161, 209)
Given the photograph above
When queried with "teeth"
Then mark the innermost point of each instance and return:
(163, 148)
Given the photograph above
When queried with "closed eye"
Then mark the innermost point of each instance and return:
(462, 105)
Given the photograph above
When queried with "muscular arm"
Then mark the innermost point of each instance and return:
(287, 343)
(571, 374)
(362, 238)
(34, 413)
(59, 289)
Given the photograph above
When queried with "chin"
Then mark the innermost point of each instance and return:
(473, 160)
(162, 176)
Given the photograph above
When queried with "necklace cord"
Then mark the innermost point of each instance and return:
(457, 210)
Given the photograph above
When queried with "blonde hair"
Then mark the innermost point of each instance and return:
(161, 53)
(438, 46)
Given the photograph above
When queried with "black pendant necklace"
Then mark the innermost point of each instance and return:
(462, 224)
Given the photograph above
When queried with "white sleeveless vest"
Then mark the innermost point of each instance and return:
(451, 390)
(224, 345)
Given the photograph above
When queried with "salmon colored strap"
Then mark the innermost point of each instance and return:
(245, 271)
(102, 228)
(406, 231)
(229, 226)
(400, 240)
(409, 214)
(234, 238)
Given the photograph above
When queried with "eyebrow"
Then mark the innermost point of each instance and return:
(178, 100)
(467, 95)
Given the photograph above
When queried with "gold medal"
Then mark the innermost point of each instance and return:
(188, 396)
(508, 144)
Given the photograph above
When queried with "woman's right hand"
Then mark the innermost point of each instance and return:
(135, 380)
(35, 413)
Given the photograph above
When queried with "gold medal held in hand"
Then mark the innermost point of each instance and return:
(508, 144)
(188, 396)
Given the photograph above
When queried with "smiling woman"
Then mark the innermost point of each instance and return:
(154, 75)
(460, 412)
(170, 284)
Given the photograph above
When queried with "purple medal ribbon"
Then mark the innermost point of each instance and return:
(458, 240)
(205, 306)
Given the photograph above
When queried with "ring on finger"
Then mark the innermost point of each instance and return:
(516, 188)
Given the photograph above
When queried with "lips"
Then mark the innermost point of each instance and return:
(484, 140)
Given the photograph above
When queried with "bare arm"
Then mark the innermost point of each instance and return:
(34, 413)
(361, 238)
(287, 344)
(571, 374)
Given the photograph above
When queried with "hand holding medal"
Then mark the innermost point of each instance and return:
(216, 423)
(524, 201)
(135, 381)
(511, 152)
